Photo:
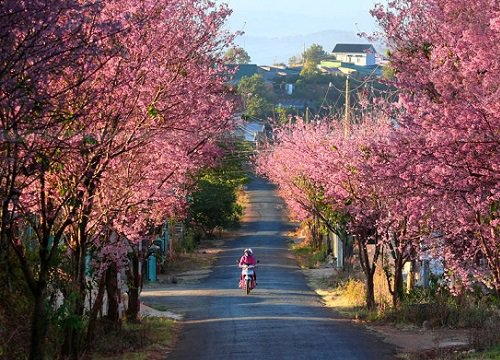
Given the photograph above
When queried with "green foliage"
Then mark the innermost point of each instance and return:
(64, 317)
(191, 239)
(214, 206)
(256, 96)
(258, 107)
(215, 203)
(237, 55)
(308, 257)
(152, 111)
(282, 115)
(388, 72)
(314, 54)
(309, 69)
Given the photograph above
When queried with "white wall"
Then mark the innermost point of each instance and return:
(356, 58)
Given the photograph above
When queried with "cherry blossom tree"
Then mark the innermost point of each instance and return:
(43, 62)
(344, 180)
(443, 55)
(317, 164)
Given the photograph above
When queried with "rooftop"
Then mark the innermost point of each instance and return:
(353, 48)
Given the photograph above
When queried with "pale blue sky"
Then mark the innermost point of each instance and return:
(290, 23)
(276, 18)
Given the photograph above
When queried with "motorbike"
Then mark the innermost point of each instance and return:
(247, 278)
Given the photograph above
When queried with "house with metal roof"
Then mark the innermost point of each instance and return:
(241, 70)
(357, 54)
(250, 131)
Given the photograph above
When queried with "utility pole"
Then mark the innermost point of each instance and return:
(347, 120)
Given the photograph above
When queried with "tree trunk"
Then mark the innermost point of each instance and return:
(370, 291)
(112, 290)
(94, 312)
(398, 292)
(38, 327)
(369, 268)
(172, 243)
(134, 286)
(319, 235)
(75, 336)
(410, 282)
(72, 336)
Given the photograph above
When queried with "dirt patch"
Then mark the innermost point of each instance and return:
(414, 340)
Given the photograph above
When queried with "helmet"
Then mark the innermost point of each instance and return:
(248, 251)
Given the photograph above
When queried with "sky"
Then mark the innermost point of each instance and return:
(275, 19)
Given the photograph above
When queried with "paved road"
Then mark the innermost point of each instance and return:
(281, 319)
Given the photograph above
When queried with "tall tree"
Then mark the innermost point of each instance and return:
(314, 54)
(214, 203)
(49, 51)
(256, 96)
(237, 55)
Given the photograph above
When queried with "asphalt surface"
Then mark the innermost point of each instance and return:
(280, 319)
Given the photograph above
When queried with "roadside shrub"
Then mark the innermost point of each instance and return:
(191, 239)
(318, 257)
(487, 335)
(353, 291)
(15, 310)
(383, 297)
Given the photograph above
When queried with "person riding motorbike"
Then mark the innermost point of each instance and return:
(248, 258)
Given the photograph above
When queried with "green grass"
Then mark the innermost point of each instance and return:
(307, 257)
(493, 354)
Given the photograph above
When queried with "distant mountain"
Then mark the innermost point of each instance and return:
(269, 50)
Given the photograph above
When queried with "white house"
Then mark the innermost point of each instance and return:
(357, 54)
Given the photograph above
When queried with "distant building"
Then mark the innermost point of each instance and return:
(343, 68)
(270, 73)
(357, 54)
(242, 70)
(252, 131)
